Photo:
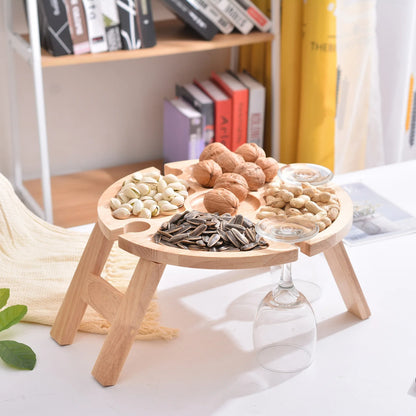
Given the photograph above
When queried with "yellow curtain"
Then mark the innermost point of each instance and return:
(256, 59)
(290, 75)
(308, 80)
(318, 84)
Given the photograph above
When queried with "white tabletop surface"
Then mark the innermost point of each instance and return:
(361, 367)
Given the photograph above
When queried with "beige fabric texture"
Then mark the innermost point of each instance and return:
(38, 260)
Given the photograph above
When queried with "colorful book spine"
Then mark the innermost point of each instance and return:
(259, 19)
(182, 131)
(213, 14)
(95, 24)
(145, 23)
(130, 36)
(256, 108)
(54, 28)
(235, 14)
(238, 93)
(77, 26)
(192, 17)
(222, 111)
(202, 103)
(111, 24)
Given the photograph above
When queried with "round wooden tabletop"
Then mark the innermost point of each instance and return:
(135, 235)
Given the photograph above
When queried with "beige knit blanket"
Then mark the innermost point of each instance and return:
(38, 260)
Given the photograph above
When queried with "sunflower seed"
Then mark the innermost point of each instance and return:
(213, 240)
(195, 230)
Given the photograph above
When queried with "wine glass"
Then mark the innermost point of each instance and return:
(313, 174)
(284, 332)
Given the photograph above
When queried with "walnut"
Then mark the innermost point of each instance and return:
(235, 183)
(253, 174)
(212, 151)
(221, 200)
(250, 152)
(269, 166)
(229, 161)
(206, 172)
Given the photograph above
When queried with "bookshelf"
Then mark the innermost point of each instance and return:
(172, 39)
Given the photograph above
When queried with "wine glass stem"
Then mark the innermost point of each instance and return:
(286, 276)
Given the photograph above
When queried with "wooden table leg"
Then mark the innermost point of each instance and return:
(347, 281)
(127, 321)
(73, 307)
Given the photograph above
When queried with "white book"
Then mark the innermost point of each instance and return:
(112, 24)
(259, 19)
(235, 14)
(213, 14)
(95, 24)
(256, 108)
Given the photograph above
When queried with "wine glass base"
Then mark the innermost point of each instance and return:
(284, 358)
(310, 290)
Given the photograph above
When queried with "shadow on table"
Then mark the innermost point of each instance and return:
(336, 324)
(212, 361)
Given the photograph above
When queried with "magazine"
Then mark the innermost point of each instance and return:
(375, 217)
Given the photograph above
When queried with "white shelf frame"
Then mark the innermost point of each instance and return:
(31, 53)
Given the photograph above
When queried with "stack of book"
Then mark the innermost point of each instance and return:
(209, 17)
(228, 108)
(93, 26)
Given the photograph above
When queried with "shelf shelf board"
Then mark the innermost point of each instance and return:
(172, 38)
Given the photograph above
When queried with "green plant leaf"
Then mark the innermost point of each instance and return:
(4, 296)
(11, 315)
(17, 355)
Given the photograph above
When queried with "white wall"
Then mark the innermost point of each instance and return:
(98, 115)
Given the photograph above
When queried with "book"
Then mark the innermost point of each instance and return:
(202, 103)
(222, 111)
(256, 107)
(54, 31)
(375, 217)
(213, 14)
(95, 24)
(259, 19)
(129, 31)
(238, 93)
(111, 24)
(235, 14)
(77, 26)
(182, 131)
(192, 18)
(145, 23)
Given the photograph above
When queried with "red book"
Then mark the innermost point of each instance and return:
(238, 93)
(222, 111)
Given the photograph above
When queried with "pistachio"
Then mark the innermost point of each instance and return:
(145, 213)
(132, 192)
(137, 207)
(114, 203)
(170, 178)
(168, 207)
(137, 176)
(150, 203)
(126, 206)
(177, 186)
(143, 188)
(144, 195)
(121, 213)
(161, 185)
(178, 200)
